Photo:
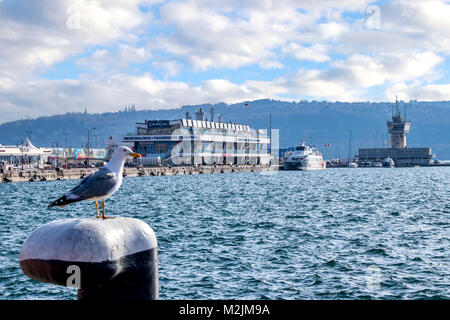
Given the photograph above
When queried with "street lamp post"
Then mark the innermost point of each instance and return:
(88, 145)
(65, 147)
(21, 149)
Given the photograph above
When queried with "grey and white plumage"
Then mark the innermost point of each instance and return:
(97, 186)
(101, 184)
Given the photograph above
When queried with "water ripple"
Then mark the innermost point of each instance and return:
(332, 234)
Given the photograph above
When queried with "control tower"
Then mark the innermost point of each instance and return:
(398, 152)
(398, 128)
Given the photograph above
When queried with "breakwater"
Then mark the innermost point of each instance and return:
(31, 175)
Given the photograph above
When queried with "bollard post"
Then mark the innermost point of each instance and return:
(111, 259)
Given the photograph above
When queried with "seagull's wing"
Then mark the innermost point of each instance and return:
(95, 185)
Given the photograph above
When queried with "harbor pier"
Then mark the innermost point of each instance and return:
(34, 175)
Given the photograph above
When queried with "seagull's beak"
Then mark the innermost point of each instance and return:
(135, 155)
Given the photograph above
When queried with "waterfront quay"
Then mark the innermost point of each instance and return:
(32, 175)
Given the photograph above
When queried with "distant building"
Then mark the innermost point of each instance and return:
(187, 141)
(25, 154)
(399, 152)
(130, 108)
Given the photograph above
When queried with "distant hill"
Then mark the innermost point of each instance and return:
(324, 122)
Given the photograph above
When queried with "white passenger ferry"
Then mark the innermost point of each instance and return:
(304, 157)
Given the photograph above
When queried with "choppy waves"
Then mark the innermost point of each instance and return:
(331, 234)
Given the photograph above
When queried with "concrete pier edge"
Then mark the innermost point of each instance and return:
(35, 175)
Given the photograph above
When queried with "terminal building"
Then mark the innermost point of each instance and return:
(191, 142)
(399, 152)
(24, 155)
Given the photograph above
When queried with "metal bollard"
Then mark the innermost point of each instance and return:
(112, 259)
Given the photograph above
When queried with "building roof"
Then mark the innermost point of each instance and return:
(26, 148)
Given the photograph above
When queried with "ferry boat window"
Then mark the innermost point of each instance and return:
(301, 148)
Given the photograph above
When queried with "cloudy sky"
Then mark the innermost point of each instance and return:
(59, 56)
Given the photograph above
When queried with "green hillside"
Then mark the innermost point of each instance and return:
(322, 122)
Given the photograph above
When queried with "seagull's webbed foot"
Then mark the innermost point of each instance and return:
(96, 207)
(103, 209)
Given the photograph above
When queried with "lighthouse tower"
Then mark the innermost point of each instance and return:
(398, 128)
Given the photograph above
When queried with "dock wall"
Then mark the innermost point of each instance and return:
(32, 175)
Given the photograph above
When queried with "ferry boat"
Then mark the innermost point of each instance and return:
(304, 157)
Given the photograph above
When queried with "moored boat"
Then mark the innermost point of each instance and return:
(304, 157)
(388, 163)
(352, 164)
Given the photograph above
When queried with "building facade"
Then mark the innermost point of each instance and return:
(402, 156)
(25, 155)
(405, 157)
(191, 142)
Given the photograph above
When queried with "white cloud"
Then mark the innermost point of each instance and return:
(34, 98)
(172, 68)
(405, 25)
(105, 60)
(425, 22)
(212, 38)
(420, 91)
(316, 52)
(366, 71)
(37, 34)
(406, 56)
(349, 79)
(346, 80)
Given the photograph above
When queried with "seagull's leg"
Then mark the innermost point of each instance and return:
(103, 209)
(96, 207)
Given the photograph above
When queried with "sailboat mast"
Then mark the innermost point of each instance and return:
(350, 146)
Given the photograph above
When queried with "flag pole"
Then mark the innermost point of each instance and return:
(248, 114)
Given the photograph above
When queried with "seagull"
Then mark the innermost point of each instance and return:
(99, 185)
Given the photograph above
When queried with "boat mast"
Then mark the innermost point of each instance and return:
(350, 146)
(270, 130)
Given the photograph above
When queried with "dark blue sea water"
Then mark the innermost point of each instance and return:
(371, 233)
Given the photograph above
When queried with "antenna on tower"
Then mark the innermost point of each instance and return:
(211, 111)
(397, 111)
(270, 130)
(404, 105)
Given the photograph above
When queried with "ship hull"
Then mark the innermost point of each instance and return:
(303, 166)
(304, 158)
